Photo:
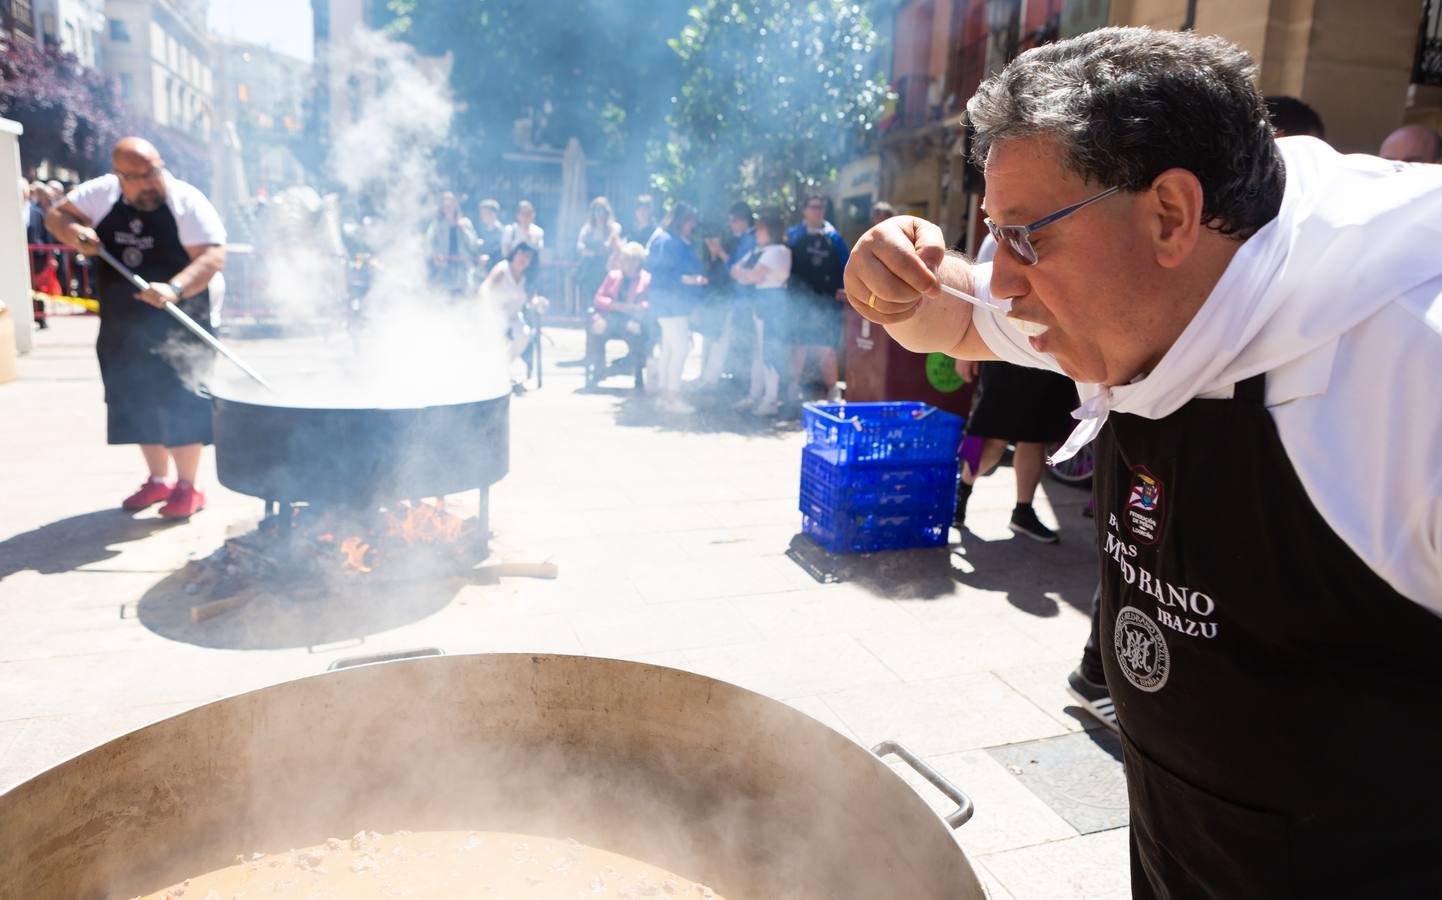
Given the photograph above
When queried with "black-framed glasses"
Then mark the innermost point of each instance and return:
(1018, 237)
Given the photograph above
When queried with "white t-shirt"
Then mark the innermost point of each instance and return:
(1357, 410)
(196, 219)
(507, 292)
(776, 259)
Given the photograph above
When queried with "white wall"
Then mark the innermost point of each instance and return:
(14, 266)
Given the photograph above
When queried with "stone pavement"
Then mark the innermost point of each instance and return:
(672, 538)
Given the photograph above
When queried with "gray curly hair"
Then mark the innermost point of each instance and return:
(1129, 103)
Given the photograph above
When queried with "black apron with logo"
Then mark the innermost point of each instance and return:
(816, 276)
(150, 364)
(1280, 705)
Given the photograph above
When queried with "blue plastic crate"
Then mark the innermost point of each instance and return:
(863, 533)
(852, 434)
(827, 486)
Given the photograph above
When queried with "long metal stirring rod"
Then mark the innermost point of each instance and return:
(182, 318)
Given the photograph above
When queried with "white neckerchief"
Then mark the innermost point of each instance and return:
(1353, 234)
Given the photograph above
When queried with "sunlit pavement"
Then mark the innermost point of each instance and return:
(671, 537)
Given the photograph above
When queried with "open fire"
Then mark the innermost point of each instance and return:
(406, 525)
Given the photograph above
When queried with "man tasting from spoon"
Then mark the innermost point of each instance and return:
(1255, 330)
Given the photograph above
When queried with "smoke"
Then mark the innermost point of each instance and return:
(408, 344)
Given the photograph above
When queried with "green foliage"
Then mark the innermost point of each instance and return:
(597, 70)
(776, 94)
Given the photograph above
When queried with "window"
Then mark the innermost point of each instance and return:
(119, 31)
(127, 87)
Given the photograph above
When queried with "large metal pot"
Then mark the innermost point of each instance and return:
(358, 456)
(706, 779)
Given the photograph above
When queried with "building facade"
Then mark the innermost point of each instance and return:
(1365, 65)
(77, 27)
(264, 94)
(160, 53)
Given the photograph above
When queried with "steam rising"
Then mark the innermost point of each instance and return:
(409, 345)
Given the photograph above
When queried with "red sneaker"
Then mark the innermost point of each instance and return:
(185, 501)
(150, 493)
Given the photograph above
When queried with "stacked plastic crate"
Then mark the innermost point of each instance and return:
(878, 476)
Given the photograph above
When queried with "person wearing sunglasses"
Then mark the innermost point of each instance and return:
(170, 234)
(1254, 325)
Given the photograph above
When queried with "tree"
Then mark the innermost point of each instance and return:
(776, 92)
(72, 115)
(597, 70)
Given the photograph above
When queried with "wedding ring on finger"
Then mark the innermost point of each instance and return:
(872, 302)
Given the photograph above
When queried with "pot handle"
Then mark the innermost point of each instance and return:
(964, 806)
(416, 653)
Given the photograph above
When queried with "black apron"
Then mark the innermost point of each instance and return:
(150, 364)
(1280, 705)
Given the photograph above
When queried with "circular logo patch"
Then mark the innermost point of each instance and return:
(132, 257)
(941, 372)
(1141, 650)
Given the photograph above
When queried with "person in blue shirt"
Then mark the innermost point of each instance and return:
(676, 282)
(818, 259)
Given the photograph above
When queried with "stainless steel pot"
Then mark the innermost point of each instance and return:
(706, 779)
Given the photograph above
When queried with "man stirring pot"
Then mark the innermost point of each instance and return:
(1255, 327)
(168, 233)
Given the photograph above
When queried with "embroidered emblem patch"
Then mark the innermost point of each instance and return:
(132, 257)
(1146, 503)
(1141, 650)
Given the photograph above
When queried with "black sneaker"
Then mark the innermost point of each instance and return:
(1094, 698)
(1025, 522)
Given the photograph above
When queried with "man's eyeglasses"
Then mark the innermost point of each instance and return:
(1018, 237)
(152, 172)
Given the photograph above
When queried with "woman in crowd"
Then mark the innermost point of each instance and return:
(765, 271)
(621, 308)
(676, 283)
(599, 240)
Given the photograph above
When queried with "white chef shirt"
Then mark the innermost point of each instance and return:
(196, 219)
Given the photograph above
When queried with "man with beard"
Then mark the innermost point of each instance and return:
(168, 233)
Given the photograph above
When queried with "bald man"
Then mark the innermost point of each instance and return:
(168, 233)
(1414, 144)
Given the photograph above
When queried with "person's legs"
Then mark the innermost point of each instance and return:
(1088, 682)
(717, 349)
(992, 450)
(758, 366)
(991, 453)
(793, 377)
(157, 460)
(675, 342)
(186, 500)
(1028, 463)
(187, 462)
(830, 370)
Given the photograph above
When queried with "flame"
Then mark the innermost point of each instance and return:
(424, 523)
(355, 551)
